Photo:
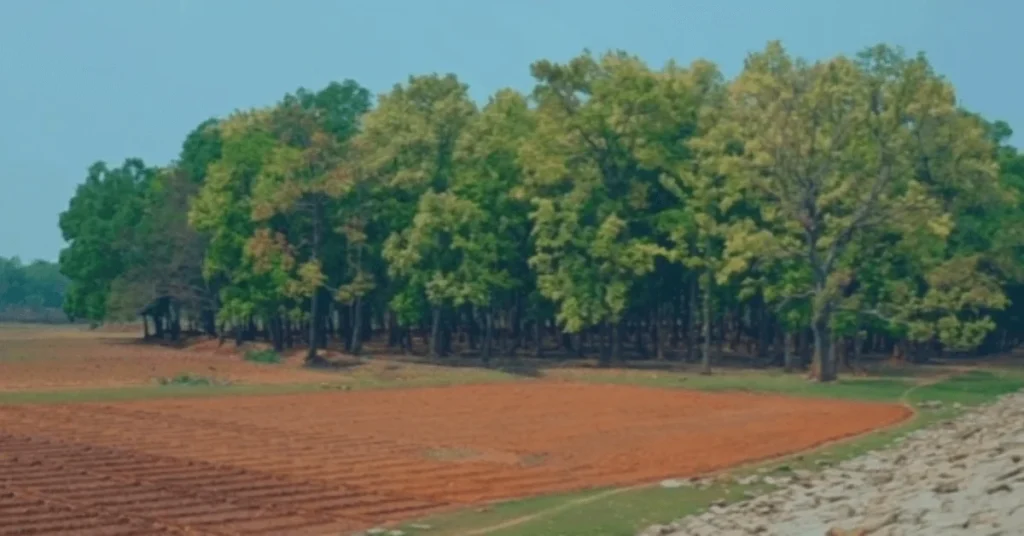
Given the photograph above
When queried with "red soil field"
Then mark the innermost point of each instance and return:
(333, 462)
(61, 358)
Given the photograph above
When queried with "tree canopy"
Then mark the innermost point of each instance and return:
(802, 213)
(32, 292)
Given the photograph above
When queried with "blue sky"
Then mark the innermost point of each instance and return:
(87, 80)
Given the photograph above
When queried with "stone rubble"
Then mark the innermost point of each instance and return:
(964, 477)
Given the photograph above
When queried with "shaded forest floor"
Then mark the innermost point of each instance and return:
(62, 365)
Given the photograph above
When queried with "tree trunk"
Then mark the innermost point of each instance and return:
(677, 320)
(314, 301)
(616, 335)
(474, 329)
(691, 322)
(566, 343)
(515, 329)
(658, 334)
(641, 348)
(488, 334)
(841, 352)
(314, 328)
(175, 323)
(538, 338)
(447, 330)
(357, 326)
(345, 327)
(604, 340)
(824, 354)
(393, 330)
(763, 333)
(719, 333)
(858, 343)
(737, 333)
(328, 331)
(405, 339)
(366, 320)
(789, 353)
(209, 322)
(706, 327)
(435, 333)
(803, 347)
(321, 329)
(277, 334)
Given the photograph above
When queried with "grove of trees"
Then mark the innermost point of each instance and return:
(803, 213)
(32, 292)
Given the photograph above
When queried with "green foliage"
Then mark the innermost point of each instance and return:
(265, 356)
(202, 147)
(31, 292)
(99, 227)
(845, 155)
(188, 379)
(407, 151)
(846, 199)
(589, 192)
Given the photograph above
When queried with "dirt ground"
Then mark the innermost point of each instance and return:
(330, 462)
(43, 358)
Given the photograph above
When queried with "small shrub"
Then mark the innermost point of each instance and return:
(190, 380)
(267, 356)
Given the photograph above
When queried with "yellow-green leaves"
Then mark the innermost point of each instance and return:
(270, 199)
(444, 253)
(594, 182)
(408, 140)
(840, 148)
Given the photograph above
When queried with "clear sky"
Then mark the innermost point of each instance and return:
(87, 80)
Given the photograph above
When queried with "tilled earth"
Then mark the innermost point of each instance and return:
(336, 462)
(44, 361)
(963, 477)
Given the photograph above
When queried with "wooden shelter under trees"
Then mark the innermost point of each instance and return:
(164, 313)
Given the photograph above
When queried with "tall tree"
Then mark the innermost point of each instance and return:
(490, 175)
(830, 149)
(222, 211)
(304, 173)
(99, 227)
(31, 292)
(697, 225)
(408, 149)
(590, 193)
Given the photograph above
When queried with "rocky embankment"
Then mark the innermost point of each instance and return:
(964, 476)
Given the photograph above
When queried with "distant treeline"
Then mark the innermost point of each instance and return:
(802, 213)
(31, 292)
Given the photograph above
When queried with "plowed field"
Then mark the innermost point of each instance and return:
(51, 359)
(333, 462)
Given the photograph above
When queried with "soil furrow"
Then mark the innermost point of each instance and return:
(349, 460)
